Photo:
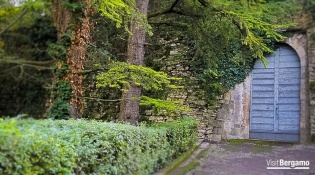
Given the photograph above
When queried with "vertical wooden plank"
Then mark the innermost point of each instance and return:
(282, 79)
(276, 112)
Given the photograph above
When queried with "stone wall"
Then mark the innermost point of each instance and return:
(311, 58)
(299, 43)
(234, 112)
(178, 64)
(229, 118)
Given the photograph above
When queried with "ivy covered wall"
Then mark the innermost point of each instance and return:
(203, 91)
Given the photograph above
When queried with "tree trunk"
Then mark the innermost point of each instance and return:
(76, 52)
(129, 107)
(76, 58)
(61, 17)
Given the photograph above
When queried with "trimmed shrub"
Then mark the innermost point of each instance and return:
(90, 147)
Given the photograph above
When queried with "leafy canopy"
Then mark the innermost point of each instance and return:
(115, 10)
(125, 74)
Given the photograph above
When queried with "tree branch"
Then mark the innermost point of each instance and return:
(21, 14)
(170, 10)
(203, 3)
(99, 99)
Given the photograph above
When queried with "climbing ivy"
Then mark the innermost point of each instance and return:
(60, 89)
(61, 96)
(230, 68)
(240, 39)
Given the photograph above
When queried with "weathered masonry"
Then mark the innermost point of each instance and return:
(275, 103)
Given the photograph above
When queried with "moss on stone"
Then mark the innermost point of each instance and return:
(238, 141)
(256, 142)
(202, 154)
(261, 148)
(186, 169)
(167, 170)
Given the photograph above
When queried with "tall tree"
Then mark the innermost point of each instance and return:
(129, 108)
(81, 12)
(76, 58)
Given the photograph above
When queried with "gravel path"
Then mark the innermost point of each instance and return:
(250, 158)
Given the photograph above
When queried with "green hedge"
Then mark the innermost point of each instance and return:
(90, 147)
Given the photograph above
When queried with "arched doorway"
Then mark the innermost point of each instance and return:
(275, 97)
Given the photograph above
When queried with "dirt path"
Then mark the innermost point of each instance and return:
(248, 158)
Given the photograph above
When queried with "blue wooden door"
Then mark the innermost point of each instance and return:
(275, 97)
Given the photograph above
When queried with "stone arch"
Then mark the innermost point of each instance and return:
(298, 42)
(233, 116)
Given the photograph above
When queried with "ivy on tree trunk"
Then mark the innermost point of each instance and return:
(75, 56)
(76, 59)
(129, 107)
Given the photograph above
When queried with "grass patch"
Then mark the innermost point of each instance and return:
(256, 142)
(179, 160)
(238, 141)
(260, 148)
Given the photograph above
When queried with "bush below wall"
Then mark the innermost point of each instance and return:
(90, 147)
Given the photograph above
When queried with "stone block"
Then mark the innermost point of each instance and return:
(218, 131)
(201, 102)
(148, 112)
(235, 132)
(227, 96)
(201, 135)
(227, 125)
(202, 131)
(246, 122)
(237, 126)
(209, 132)
(216, 138)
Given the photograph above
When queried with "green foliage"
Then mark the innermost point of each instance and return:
(72, 6)
(91, 147)
(61, 96)
(232, 72)
(225, 72)
(122, 12)
(180, 133)
(227, 23)
(58, 51)
(24, 150)
(25, 67)
(242, 33)
(124, 74)
(162, 105)
(115, 10)
(25, 13)
(60, 93)
(309, 6)
(224, 37)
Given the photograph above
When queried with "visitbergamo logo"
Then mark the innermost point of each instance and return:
(282, 164)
